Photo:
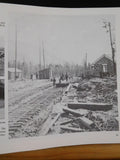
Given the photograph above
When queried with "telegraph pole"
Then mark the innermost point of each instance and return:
(30, 69)
(23, 67)
(108, 27)
(15, 50)
(39, 57)
(43, 55)
(85, 65)
(112, 48)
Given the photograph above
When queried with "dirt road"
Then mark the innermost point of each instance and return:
(30, 103)
(36, 107)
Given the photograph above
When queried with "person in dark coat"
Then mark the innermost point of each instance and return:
(54, 81)
(66, 77)
(31, 76)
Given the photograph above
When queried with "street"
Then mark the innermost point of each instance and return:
(38, 108)
(29, 105)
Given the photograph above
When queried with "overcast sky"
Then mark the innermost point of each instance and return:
(65, 38)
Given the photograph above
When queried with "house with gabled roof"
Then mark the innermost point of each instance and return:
(103, 66)
(11, 73)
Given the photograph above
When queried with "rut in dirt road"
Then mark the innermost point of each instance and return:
(31, 110)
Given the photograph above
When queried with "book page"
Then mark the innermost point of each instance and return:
(59, 77)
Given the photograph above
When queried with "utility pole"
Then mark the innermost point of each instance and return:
(85, 64)
(86, 61)
(23, 68)
(39, 59)
(15, 50)
(43, 55)
(108, 27)
(112, 48)
(30, 67)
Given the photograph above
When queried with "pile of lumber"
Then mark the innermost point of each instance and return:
(77, 123)
(91, 106)
(81, 120)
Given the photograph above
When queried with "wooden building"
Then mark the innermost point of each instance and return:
(103, 66)
(44, 73)
(1, 61)
(2, 75)
(11, 73)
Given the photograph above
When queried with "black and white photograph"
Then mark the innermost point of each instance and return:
(62, 74)
(2, 73)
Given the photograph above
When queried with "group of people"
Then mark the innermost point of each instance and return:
(34, 76)
(61, 78)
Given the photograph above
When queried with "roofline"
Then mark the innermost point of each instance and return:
(17, 70)
(104, 55)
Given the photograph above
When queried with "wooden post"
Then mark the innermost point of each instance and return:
(43, 55)
(111, 43)
(15, 49)
(39, 60)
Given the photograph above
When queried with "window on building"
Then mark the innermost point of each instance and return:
(104, 67)
(93, 67)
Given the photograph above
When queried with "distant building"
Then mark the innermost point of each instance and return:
(103, 66)
(1, 62)
(44, 73)
(2, 74)
(11, 73)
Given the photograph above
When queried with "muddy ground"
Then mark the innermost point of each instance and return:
(94, 90)
(36, 107)
(29, 106)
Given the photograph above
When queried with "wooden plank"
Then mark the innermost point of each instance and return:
(72, 129)
(69, 121)
(62, 84)
(14, 126)
(71, 111)
(86, 122)
(83, 120)
(91, 106)
(48, 124)
(66, 122)
(13, 129)
(68, 88)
